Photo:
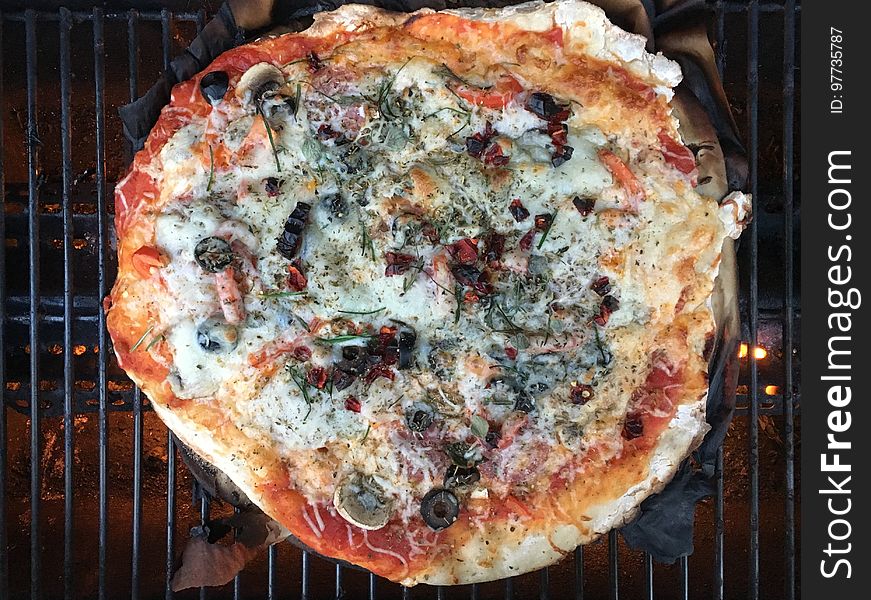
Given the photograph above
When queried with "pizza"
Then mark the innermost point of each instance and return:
(433, 289)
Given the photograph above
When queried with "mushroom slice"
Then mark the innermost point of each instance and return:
(259, 79)
(362, 502)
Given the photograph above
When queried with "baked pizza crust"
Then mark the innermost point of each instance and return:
(505, 546)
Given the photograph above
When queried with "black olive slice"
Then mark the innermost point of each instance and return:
(419, 417)
(214, 86)
(439, 508)
(525, 402)
(288, 243)
(217, 336)
(543, 105)
(213, 254)
(406, 348)
(457, 476)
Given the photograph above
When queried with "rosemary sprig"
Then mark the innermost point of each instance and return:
(280, 294)
(298, 100)
(142, 339)
(547, 229)
(345, 338)
(363, 312)
(211, 168)
(302, 384)
(269, 135)
(458, 297)
(368, 427)
(367, 244)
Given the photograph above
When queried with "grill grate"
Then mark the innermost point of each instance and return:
(75, 424)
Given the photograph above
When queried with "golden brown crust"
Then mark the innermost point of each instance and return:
(513, 539)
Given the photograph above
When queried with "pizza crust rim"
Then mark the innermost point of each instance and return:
(676, 442)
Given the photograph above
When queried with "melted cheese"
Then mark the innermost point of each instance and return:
(378, 160)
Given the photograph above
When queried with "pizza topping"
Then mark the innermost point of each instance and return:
(624, 176)
(494, 246)
(518, 211)
(457, 476)
(217, 336)
(353, 404)
(463, 454)
(314, 62)
(676, 154)
(608, 306)
(495, 96)
(601, 285)
(213, 86)
(406, 348)
(525, 402)
(544, 106)
(295, 279)
(471, 277)
(439, 508)
(213, 254)
(257, 81)
(271, 185)
(580, 393)
(419, 417)
(464, 251)
(633, 427)
(480, 141)
(561, 154)
(526, 240)
(317, 377)
(232, 302)
(288, 243)
(397, 263)
(585, 205)
(146, 259)
(361, 501)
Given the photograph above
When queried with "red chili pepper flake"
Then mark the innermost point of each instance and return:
(542, 222)
(494, 246)
(608, 306)
(633, 427)
(558, 133)
(470, 297)
(510, 352)
(295, 279)
(271, 185)
(601, 285)
(317, 376)
(314, 62)
(352, 404)
(526, 240)
(379, 370)
(397, 263)
(581, 393)
(494, 156)
(585, 206)
(464, 251)
(430, 232)
(517, 210)
(301, 353)
(325, 132)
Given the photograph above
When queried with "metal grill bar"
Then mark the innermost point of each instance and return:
(33, 265)
(102, 288)
(271, 587)
(306, 574)
(648, 576)
(579, 573)
(170, 513)
(65, 25)
(133, 70)
(753, 136)
(613, 566)
(339, 582)
(788, 316)
(4, 441)
(205, 513)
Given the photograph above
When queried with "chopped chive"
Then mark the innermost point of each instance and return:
(269, 135)
(211, 168)
(298, 99)
(302, 384)
(368, 427)
(367, 242)
(458, 296)
(363, 312)
(547, 230)
(303, 323)
(142, 339)
(280, 294)
(344, 338)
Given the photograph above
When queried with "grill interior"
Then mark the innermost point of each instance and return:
(94, 501)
